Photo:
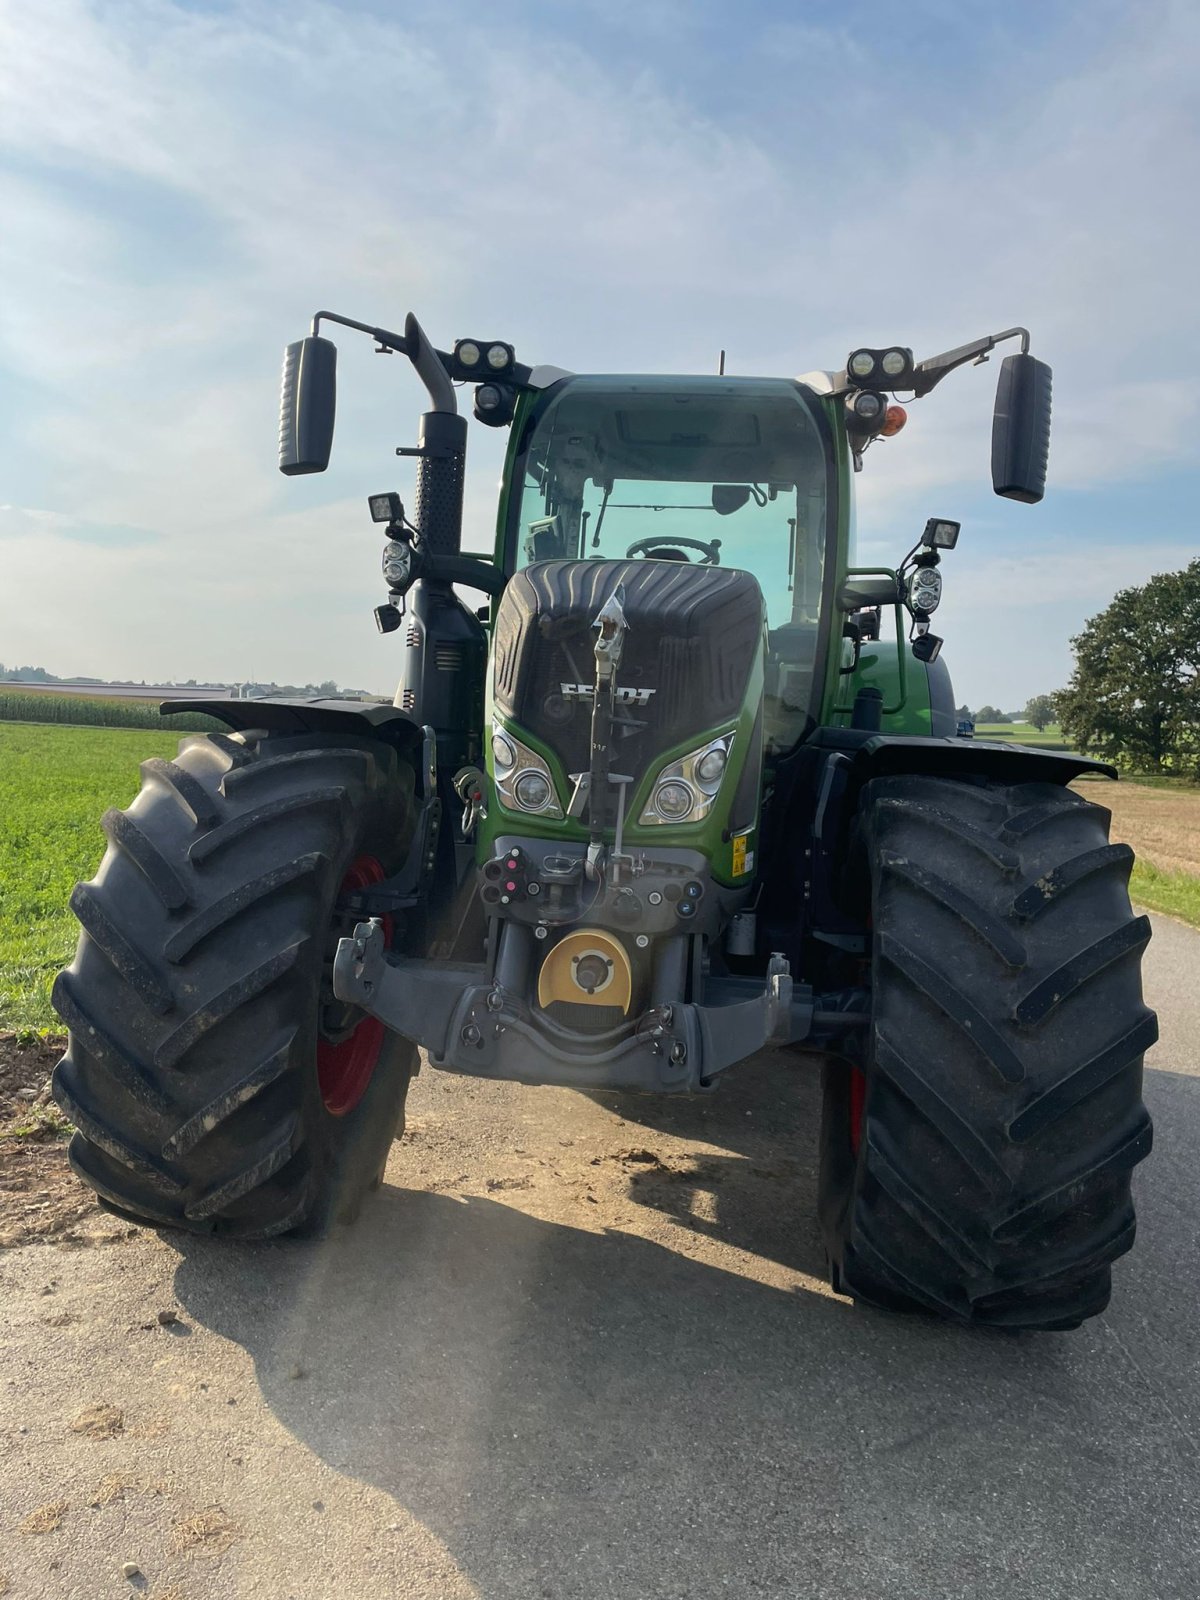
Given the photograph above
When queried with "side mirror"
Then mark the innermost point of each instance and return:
(307, 401)
(1021, 429)
(729, 497)
(863, 594)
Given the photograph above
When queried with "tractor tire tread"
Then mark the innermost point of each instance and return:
(1003, 1113)
(190, 1072)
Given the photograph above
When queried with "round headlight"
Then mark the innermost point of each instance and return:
(867, 406)
(503, 753)
(894, 362)
(673, 799)
(488, 397)
(397, 563)
(468, 353)
(926, 589)
(497, 356)
(711, 765)
(532, 790)
(861, 364)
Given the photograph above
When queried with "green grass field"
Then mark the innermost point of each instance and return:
(55, 785)
(1176, 893)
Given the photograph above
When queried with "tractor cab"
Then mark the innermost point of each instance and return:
(703, 472)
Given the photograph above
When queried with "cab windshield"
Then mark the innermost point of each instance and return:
(729, 471)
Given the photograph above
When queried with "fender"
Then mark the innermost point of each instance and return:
(816, 794)
(878, 755)
(364, 717)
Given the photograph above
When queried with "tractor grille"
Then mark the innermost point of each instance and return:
(694, 635)
(585, 1019)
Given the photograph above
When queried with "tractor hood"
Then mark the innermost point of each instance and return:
(695, 633)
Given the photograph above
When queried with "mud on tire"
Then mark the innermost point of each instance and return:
(199, 989)
(980, 1169)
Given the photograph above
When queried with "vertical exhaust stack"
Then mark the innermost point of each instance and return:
(444, 662)
(441, 451)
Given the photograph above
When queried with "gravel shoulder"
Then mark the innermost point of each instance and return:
(581, 1346)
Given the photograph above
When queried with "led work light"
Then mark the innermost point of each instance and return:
(940, 534)
(386, 507)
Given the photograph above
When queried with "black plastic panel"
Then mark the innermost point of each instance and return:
(694, 636)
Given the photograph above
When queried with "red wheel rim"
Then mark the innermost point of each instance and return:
(344, 1069)
(858, 1105)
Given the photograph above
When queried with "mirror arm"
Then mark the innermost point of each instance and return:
(931, 372)
(405, 344)
(392, 341)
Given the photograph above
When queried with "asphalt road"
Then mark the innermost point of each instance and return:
(582, 1348)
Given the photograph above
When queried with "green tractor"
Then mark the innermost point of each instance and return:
(689, 786)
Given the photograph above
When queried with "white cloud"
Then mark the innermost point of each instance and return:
(321, 156)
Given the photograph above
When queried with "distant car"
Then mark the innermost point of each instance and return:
(965, 729)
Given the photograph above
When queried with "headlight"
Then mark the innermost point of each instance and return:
(711, 766)
(861, 364)
(532, 790)
(925, 589)
(523, 780)
(397, 563)
(893, 363)
(685, 790)
(503, 754)
(673, 799)
(866, 406)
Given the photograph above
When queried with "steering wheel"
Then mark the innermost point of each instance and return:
(710, 550)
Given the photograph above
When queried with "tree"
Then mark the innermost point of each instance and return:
(990, 714)
(1040, 711)
(964, 713)
(1134, 696)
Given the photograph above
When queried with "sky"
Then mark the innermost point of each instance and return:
(610, 187)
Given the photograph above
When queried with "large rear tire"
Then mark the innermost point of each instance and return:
(978, 1167)
(214, 1082)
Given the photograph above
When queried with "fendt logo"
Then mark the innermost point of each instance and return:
(626, 697)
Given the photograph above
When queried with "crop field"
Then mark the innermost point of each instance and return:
(56, 783)
(94, 711)
(1163, 826)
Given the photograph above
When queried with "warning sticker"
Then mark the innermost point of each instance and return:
(743, 858)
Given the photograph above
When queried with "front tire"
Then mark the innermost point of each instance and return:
(978, 1165)
(214, 1082)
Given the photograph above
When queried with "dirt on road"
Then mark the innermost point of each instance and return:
(41, 1200)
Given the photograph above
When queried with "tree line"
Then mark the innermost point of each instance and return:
(1134, 696)
(1039, 710)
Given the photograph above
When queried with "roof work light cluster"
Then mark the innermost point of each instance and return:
(492, 361)
(871, 374)
(880, 369)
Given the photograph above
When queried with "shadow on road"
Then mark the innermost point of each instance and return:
(756, 1189)
(584, 1414)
